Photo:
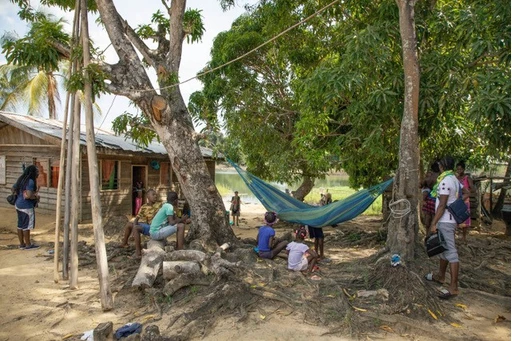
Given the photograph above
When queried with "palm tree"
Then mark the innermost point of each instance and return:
(29, 77)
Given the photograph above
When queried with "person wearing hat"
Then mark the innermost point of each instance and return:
(267, 245)
(235, 208)
(300, 257)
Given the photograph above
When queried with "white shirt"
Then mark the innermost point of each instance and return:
(297, 251)
(449, 186)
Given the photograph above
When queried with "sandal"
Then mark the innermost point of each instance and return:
(316, 278)
(32, 247)
(430, 277)
(446, 295)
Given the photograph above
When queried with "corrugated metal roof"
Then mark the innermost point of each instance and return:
(104, 138)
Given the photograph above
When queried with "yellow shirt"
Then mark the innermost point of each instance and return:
(147, 212)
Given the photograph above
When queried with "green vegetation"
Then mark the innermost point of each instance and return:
(340, 193)
(223, 190)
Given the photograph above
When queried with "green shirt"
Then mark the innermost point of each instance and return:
(161, 217)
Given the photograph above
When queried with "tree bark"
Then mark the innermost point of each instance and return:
(99, 238)
(403, 229)
(173, 123)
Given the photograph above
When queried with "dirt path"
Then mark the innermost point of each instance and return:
(33, 307)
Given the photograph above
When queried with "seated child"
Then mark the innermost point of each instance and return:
(300, 257)
(266, 238)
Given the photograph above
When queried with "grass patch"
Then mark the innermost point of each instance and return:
(341, 193)
(223, 190)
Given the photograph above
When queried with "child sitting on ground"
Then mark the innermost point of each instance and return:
(300, 257)
(267, 247)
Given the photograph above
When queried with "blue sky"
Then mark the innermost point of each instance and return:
(194, 57)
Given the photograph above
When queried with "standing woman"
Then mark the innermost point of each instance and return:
(26, 189)
(467, 183)
(446, 191)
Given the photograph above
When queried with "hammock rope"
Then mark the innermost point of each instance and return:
(295, 211)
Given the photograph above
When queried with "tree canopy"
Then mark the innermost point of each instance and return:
(328, 94)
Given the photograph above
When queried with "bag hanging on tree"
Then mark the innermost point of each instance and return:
(11, 199)
(435, 244)
(459, 210)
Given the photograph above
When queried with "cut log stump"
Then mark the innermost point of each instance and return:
(152, 259)
(173, 269)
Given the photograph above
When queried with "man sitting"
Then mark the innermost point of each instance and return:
(165, 222)
(146, 214)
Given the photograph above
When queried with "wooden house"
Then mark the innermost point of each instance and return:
(27, 140)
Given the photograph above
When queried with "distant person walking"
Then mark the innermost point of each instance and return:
(26, 189)
(235, 208)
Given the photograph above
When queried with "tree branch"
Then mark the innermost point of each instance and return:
(64, 50)
(177, 34)
(166, 7)
(139, 44)
(134, 78)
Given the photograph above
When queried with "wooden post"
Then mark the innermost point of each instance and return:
(99, 238)
(70, 105)
(75, 192)
(59, 194)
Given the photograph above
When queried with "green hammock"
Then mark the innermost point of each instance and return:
(294, 211)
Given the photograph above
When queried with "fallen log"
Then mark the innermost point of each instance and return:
(191, 255)
(152, 259)
(174, 269)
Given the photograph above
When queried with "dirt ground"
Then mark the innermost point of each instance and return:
(33, 307)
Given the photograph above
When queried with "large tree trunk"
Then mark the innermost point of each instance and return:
(305, 187)
(403, 229)
(169, 116)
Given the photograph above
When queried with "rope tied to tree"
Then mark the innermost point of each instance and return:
(399, 213)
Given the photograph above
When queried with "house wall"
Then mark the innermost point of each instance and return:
(119, 201)
(18, 148)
